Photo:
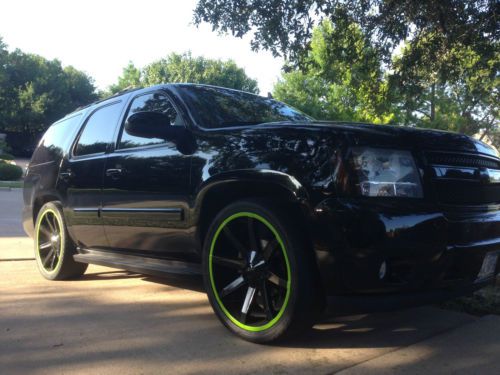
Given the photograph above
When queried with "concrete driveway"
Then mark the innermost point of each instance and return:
(115, 322)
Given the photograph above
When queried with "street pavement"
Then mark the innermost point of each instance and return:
(117, 322)
(11, 202)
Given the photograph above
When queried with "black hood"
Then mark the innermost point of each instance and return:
(414, 138)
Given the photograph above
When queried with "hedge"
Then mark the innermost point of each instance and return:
(9, 172)
(6, 156)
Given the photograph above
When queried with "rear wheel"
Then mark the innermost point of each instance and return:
(53, 249)
(257, 274)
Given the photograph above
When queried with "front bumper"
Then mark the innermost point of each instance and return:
(429, 253)
(354, 304)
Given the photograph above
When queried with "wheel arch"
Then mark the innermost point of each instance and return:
(41, 199)
(224, 189)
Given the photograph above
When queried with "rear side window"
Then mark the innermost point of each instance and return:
(98, 130)
(56, 140)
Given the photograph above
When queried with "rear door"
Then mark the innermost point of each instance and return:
(146, 183)
(81, 175)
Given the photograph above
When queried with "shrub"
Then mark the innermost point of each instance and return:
(6, 156)
(4, 147)
(10, 172)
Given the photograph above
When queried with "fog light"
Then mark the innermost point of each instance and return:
(382, 270)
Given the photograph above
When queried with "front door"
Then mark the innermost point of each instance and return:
(145, 193)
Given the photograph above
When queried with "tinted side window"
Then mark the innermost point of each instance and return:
(56, 140)
(154, 102)
(99, 130)
(214, 107)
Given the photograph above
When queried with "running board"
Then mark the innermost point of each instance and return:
(139, 264)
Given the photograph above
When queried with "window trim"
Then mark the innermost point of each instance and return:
(124, 119)
(73, 156)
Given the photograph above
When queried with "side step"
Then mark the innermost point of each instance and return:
(139, 264)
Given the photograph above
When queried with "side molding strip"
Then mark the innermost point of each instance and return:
(176, 214)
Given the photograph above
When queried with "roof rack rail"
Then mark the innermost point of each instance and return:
(121, 92)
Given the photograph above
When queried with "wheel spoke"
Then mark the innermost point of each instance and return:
(276, 280)
(269, 249)
(235, 242)
(45, 231)
(247, 303)
(55, 224)
(48, 257)
(45, 245)
(53, 260)
(252, 235)
(267, 304)
(49, 224)
(229, 263)
(251, 258)
(231, 287)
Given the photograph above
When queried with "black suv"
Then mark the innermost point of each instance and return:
(286, 218)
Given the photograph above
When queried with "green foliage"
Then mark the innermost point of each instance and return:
(421, 63)
(6, 156)
(4, 147)
(341, 79)
(10, 172)
(131, 77)
(34, 92)
(186, 68)
(457, 89)
(285, 27)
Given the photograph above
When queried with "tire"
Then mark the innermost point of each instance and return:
(262, 289)
(53, 248)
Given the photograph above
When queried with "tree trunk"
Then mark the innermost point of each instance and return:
(433, 102)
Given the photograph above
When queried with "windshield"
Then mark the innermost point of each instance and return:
(215, 107)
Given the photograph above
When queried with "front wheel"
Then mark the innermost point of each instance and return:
(53, 249)
(258, 275)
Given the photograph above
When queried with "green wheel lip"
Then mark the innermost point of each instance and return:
(212, 281)
(38, 240)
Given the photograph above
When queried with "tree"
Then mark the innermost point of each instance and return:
(131, 77)
(341, 78)
(186, 68)
(285, 26)
(457, 89)
(35, 92)
(439, 59)
(3, 82)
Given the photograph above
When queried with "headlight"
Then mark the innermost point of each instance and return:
(386, 173)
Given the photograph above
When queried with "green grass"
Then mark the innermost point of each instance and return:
(483, 302)
(11, 184)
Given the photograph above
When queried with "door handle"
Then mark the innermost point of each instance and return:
(66, 175)
(114, 172)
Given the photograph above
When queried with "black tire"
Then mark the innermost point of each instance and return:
(275, 283)
(54, 249)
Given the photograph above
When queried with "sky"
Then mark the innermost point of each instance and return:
(101, 37)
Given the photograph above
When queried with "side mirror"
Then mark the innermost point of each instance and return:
(157, 125)
(148, 125)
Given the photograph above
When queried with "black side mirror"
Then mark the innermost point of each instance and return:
(157, 125)
(148, 125)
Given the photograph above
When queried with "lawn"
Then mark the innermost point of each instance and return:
(483, 302)
(11, 184)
